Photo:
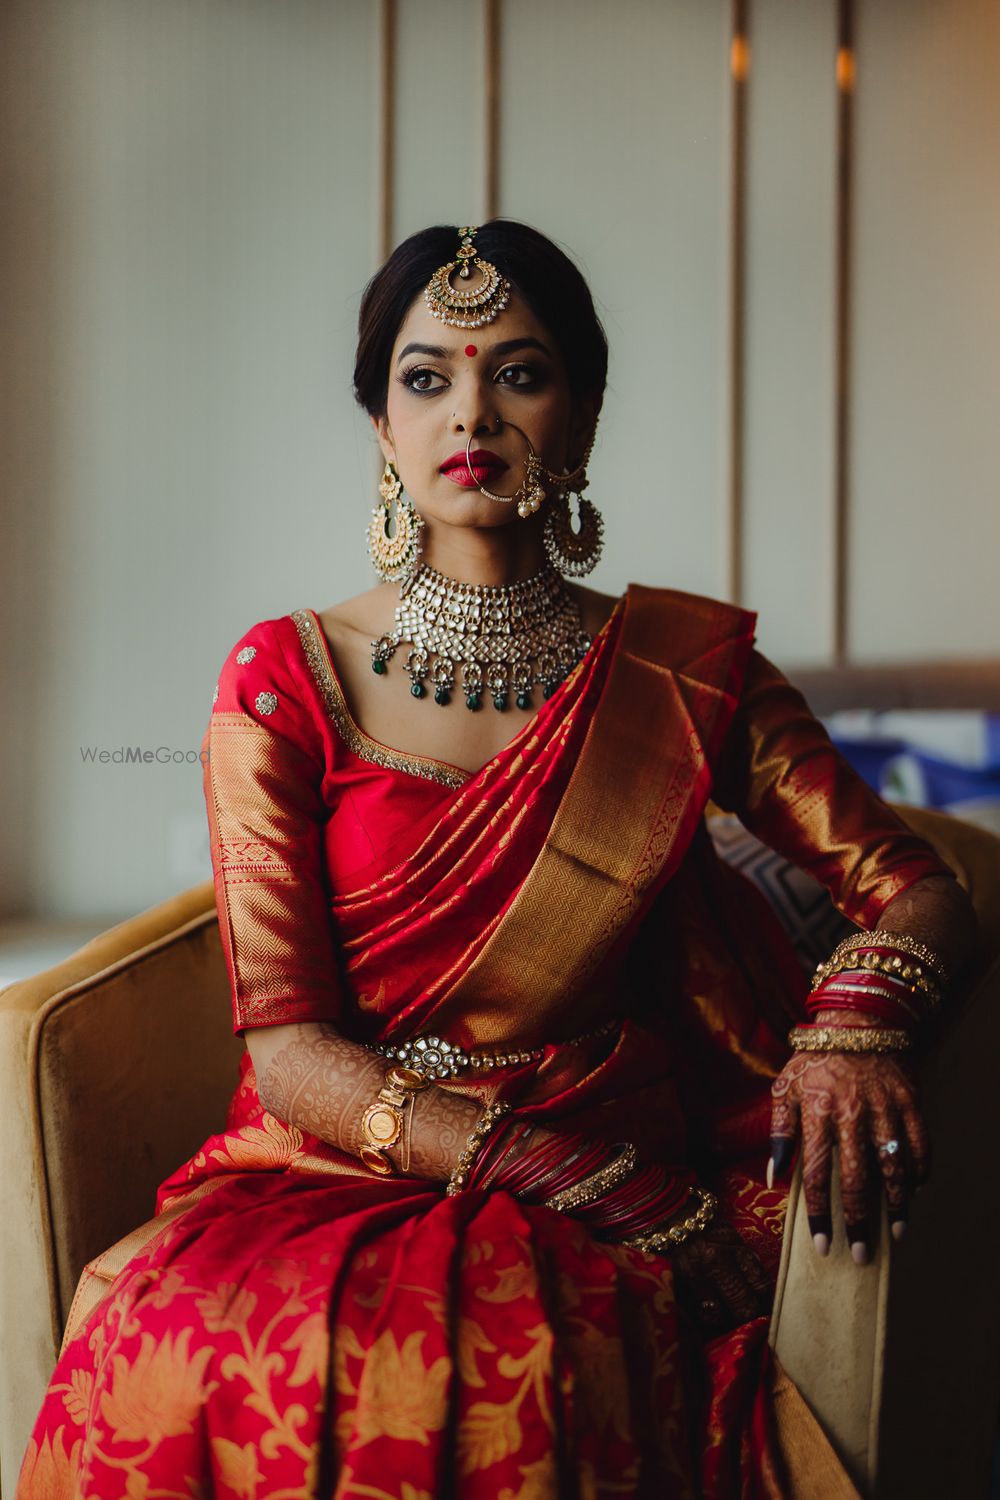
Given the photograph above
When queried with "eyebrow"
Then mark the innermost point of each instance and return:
(438, 351)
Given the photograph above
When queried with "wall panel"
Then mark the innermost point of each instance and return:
(614, 140)
(215, 180)
(925, 383)
(439, 114)
(790, 328)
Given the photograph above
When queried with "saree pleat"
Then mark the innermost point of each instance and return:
(291, 1326)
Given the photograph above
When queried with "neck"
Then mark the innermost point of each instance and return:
(493, 556)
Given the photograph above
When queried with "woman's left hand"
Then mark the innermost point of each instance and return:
(866, 1105)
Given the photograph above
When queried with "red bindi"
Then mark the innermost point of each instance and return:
(471, 349)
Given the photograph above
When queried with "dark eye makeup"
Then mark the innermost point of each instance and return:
(519, 375)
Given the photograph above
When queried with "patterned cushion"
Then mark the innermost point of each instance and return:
(803, 906)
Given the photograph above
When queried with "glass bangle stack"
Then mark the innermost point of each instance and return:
(881, 977)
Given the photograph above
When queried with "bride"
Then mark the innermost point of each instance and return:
(497, 1208)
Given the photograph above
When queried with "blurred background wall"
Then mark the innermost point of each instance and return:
(790, 216)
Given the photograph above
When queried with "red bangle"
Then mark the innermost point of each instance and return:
(866, 992)
(495, 1151)
(574, 1171)
(642, 1223)
(512, 1176)
(532, 1170)
(862, 998)
(668, 1195)
(870, 1005)
(623, 1199)
(870, 979)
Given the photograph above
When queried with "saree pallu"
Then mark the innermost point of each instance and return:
(289, 1325)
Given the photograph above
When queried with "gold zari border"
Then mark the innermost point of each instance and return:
(361, 744)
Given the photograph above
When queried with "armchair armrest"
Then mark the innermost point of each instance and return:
(115, 1065)
(900, 1359)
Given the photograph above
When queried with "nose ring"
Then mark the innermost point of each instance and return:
(499, 421)
(530, 492)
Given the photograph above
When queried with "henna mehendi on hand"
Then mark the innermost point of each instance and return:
(719, 1280)
(858, 1103)
(442, 1124)
(321, 1082)
(936, 911)
(866, 1105)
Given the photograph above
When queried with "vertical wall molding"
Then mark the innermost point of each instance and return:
(386, 128)
(740, 72)
(491, 108)
(845, 75)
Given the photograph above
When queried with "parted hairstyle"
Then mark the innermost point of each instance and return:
(546, 278)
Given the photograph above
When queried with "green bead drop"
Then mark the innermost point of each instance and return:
(441, 695)
(378, 667)
(472, 701)
(524, 700)
(500, 701)
(417, 689)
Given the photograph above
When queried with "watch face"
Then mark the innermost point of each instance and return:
(407, 1078)
(375, 1161)
(381, 1125)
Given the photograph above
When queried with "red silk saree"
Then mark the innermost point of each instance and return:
(289, 1325)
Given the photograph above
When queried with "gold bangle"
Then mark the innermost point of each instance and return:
(899, 941)
(487, 1120)
(861, 963)
(849, 1039)
(912, 975)
(599, 1182)
(383, 1121)
(668, 1239)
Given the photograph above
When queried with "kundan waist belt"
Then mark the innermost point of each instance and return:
(435, 1058)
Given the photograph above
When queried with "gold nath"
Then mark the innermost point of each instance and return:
(467, 306)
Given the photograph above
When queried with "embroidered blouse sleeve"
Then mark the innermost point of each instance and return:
(263, 774)
(783, 777)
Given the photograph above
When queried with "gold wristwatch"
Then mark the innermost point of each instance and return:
(382, 1122)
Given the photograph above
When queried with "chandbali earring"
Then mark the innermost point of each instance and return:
(573, 550)
(394, 532)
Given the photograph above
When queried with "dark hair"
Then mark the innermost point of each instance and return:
(546, 278)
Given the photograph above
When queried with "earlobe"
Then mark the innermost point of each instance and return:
(384, 436)
(582, 431)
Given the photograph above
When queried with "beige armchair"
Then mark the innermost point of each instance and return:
(900, 1360)
(114, 1067)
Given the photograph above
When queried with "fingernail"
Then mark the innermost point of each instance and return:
(821, 1228)
(769, 1175)
(859, 1253)
(898, 1227)
(822, 1244)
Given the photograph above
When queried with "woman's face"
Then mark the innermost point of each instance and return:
(447, 383)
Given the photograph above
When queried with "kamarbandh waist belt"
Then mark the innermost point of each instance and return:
(435, 1058)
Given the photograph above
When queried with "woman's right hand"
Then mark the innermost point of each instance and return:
(718, 1280)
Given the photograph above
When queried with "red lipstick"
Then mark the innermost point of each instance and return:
(485, 465)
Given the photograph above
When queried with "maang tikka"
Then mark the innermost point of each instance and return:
(472, 305)
(394, 532)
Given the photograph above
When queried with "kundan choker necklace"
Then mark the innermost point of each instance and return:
(500, 640)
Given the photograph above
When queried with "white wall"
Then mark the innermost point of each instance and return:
(192, 194)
